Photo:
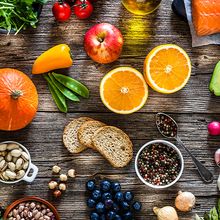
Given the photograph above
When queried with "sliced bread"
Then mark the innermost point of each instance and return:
(70, 138)
(86, 132)
(114, 145)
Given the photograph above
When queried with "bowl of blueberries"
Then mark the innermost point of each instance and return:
(107, 201)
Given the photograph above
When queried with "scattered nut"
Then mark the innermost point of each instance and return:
(57, 193)
(56, 169)
(71, 173)
(62, 186)
(63, 177)
(52, 184)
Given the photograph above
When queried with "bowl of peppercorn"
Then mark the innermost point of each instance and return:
(159, 164)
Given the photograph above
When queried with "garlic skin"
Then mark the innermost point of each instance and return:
(217, 157)
(166, 213)
(185, 201)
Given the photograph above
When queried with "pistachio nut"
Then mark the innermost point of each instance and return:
(16, 153)
(3, 147)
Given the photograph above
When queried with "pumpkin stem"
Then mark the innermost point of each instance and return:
(16, 94)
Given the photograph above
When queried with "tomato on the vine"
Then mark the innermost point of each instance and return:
(61, 11)
(83, 9)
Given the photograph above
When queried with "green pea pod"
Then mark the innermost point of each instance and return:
(66, 92)
(58, 97)
(72, 84)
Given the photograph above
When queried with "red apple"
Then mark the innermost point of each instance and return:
(103, 43)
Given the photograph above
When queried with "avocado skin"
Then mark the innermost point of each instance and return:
(214, 85)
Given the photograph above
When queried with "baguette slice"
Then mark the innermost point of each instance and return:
(114, 145)
(86, 132)
(70, 138)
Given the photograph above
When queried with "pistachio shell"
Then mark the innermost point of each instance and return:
(1, 158)
(12, 146)
(25, 156)
(3, 147)
(3, 153)
(2, 164)
(14, 159)
(8, 157)
(20, 174)
(16, 153)
(11, 166)
(25, 165)
(19, 163)
(11, 175)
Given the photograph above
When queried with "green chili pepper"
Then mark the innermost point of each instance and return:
(72, 84)
(58, 97)
(66, 92)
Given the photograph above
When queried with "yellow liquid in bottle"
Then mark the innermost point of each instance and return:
(141, 7)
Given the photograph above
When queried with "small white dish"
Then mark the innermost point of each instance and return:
(166, 143)
(31, 167)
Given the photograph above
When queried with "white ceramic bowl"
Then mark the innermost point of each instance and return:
(166, 143)
(31, 167)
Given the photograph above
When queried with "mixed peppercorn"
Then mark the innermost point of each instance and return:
(159, 164)
(166, 125)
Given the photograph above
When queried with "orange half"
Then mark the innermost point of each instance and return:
(167, 68)
(124, 90)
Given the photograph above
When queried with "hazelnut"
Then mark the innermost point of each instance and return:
(57, 193)
(63, 177)
(52, 184)
(56, 169)
(62, 186)
(71, 173)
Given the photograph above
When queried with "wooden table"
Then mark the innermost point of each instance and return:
(193, 108)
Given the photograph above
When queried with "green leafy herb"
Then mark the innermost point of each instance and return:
(213, 214)
(18, 14)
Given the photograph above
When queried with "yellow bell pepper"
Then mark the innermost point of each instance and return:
(57, 57)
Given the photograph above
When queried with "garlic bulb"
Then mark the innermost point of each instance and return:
(185, 201)
(166, 213)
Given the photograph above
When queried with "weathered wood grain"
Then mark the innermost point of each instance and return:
(193, 108)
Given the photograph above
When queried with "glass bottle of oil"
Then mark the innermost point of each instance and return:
(141, 7)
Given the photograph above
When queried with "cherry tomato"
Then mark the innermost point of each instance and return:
(61, 11)
(83, 9)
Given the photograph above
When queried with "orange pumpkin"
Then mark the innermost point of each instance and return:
(18, 100)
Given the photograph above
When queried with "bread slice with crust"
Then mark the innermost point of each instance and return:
(70, 138)
(114, 145)
(86, 132)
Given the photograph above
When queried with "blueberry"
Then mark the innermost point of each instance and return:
(105, 185)
(117, 217)
(91, 203)
(90, 185)
(137, 206)
(111, 215)
(128, 196)
(102, 217)
(115, 208)
(119, 197)
(106, 195)
(116, 187)
(96, 194)
(125, 206)
(100, 207)
(108, 204)
(127, 216)
(94, 216)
